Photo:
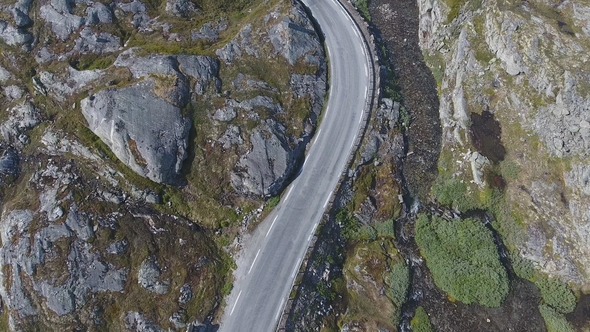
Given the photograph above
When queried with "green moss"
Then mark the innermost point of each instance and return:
(455, 7)
(463, 259)
(399, 282)
(554, 321)
(421, 321)
(556, 294)
(363, 7)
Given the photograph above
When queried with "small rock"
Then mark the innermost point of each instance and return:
(13, 92)
(9, 162)
(584, 124)
(118, 247)
(148, 275)
(186, 294)
(181, 8)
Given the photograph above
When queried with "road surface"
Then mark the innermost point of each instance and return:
(272, 255)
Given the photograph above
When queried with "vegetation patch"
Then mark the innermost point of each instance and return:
(463, 259)
(554, 321)
(421, 321)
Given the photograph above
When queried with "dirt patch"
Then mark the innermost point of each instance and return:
(396, 23)
(485, 133)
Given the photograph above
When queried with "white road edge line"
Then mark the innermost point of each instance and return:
(236, 303)
(296, 268)
(366, 71)
(273, 223)
(280, 309)
(254, 261)
(288, 193)
(327, 200)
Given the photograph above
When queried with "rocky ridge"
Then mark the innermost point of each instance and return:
(525, 64)
(110, 108)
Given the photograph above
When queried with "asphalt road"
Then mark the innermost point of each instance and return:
(272, 255)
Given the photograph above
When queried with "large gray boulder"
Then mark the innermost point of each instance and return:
(58, 13)
(294, 38)
(181, 8)
(13, 36)
(142, 123)
(146, 132)
(264, 170)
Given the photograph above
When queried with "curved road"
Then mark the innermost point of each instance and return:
(272, 255)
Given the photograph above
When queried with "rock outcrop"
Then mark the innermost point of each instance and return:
(526, 64)
(156, 148)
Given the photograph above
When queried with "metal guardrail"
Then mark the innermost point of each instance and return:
(370, 106)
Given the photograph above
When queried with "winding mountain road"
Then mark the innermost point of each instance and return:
(272, 255)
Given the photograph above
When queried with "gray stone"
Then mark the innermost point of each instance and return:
(72, 82)
(13, 224)
(145, 132)
(225, 114)
(13, 92)
(232, 136)
(181, 8)
(137, 322)
(186, 294)
(209, 31)
(202, 69)
(22, 117)
(178, 319)
(20, 18)
(264, 170)
(295, 38)
(58, 298)
(12, 35)
(118, 247)
(91, 42)
(79, 223)
(4, 75)
(153, 198)
(20, 13)
(97, 13)
(148, 275)
(140, 18)
(9, 162)
(312, 86)
(58, 14)
(44, 55)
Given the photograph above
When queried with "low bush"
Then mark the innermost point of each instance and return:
(399, 281)
(463, 259)
(421, 322)
(554, 321)
(556, 294)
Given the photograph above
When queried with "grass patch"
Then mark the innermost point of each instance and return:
(399, 281)
(363, 8)
(554, 321)
(463, 259)
(455, 7)
(421, 321)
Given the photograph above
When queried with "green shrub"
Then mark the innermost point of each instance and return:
(554, 321)
(399, 281)
(455, 6)
(556, 294)
(385, 229)
(421, 322)
(453, 192)
(273, 202)
(463, 259)
(363, 7)
(348, 223)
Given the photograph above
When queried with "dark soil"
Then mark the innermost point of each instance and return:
(485, 133)
(580, 317)
(399, 33)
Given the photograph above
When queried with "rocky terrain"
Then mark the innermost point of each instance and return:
(494, 102)
(137, 140)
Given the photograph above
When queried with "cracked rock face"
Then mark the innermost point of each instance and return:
(154, 149)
